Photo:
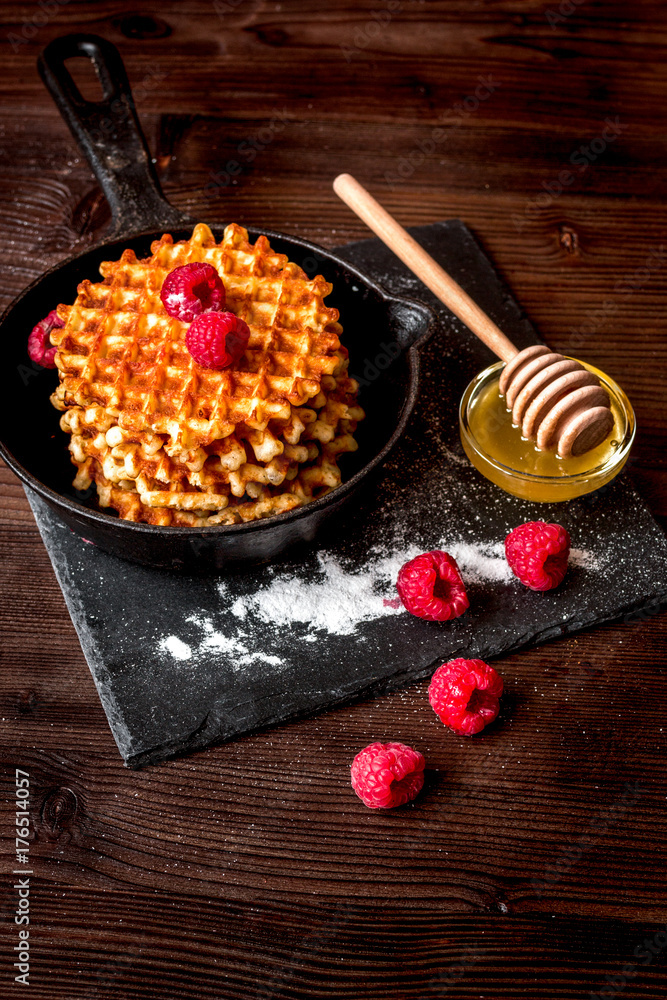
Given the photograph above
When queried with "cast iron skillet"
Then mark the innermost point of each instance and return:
(381, 332)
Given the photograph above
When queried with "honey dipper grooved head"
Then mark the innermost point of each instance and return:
(517, 361)
(556, 401)
(537, 385)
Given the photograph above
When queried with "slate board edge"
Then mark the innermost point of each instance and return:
(77, 613)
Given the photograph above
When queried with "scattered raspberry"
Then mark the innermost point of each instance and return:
(217, 340)
(464, 695)
(431, 587)
(191, 290)
(538, 554)
(39, 347)
(385, 775)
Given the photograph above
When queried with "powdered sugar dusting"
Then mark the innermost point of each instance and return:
(453, 457)
(335, 600)
(584, 559)
(481, 563)
(212, 641)
(340, 599)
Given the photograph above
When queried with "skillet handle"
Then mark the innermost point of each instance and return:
(109, 134)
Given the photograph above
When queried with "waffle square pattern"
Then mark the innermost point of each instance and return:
(170, 442)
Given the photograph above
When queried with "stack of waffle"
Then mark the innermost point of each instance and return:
(169, 442)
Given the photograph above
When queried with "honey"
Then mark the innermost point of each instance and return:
(497, 449)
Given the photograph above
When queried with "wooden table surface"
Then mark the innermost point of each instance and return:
(251, 870)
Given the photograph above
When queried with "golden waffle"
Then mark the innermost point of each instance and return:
(129, 389)
(119, 348)
(141, 482)
(177, 506)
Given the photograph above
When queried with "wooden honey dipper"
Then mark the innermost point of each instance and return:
(555, 401)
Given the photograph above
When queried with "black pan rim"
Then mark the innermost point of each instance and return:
(76, 509)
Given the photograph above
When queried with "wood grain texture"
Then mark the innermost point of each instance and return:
(251, 870)
(344, 950)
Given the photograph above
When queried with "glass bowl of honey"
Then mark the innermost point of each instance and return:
(497, 449)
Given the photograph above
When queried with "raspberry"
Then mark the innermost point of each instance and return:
(38, 341)
(431, 587)
(217, 340)
(191, 290)
(538, 554)
(464, 695)
(385, 775)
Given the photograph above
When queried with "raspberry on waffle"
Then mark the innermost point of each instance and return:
(169, 441)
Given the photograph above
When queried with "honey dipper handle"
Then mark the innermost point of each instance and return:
(423, 265)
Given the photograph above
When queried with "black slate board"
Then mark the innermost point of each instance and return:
(182, 662)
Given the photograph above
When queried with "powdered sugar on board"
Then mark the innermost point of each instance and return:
(176, 647)
(339, 600)
(213, 641)
(335, 602)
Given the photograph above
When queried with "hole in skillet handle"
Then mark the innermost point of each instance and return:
(85, 79)
(108, 133)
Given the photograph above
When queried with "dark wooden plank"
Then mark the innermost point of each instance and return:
(214, 948)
